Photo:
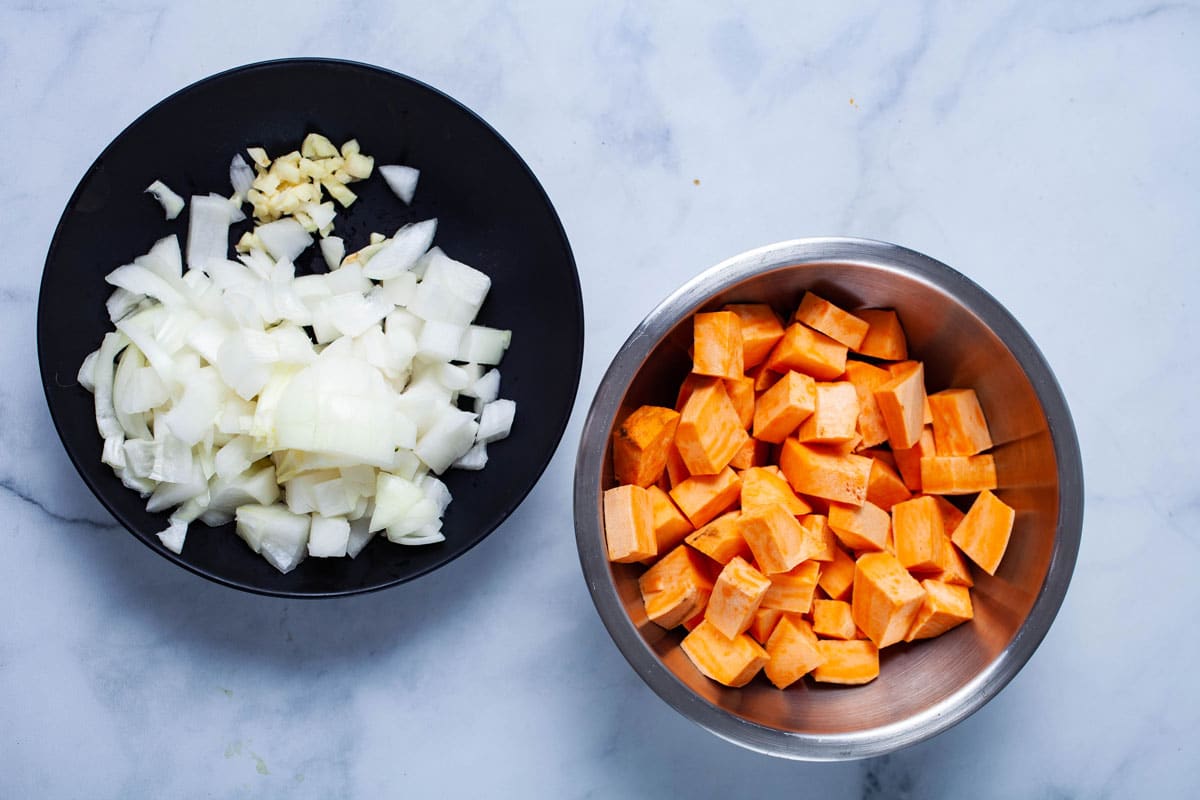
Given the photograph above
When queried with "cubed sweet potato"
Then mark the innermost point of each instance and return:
(703, 497)
(860, 528)
(833, 619)
(886, 598)
(866, 378)
(731, 662)
(670, 525)
(676, 588)
(777, 541)
(736, 595)
(822, 315)
(792, 591)
(814, 470)
(641, 443)
(957, 474)
(885, 487)
(945, 606)
(710, 432)
(984, 532)
(717, 345)
(835, 414)
(763, 487)
(742, 396)
(808, 351)
(780, 409)
(837, 576)
(822, 543)
(959, 427)
(920, 534)
(721, 540)
(765, 620)
(629, 524)
(885, 337)
(761, 329)
(792, 652)
(902, 404)
(908, 459)
(847, 662)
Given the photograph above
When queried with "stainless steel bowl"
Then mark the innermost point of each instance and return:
(966, 339)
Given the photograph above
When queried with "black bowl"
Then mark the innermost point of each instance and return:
(492, 213)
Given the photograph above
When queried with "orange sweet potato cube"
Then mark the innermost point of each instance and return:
(862, 527)
(959, 427)
(984, 532)
(944, 607)
(731, 662)
(629, 524)
(835, 414)
(676, 470)
(704, 497)
(957, 474)
(792, 652)
(902, 404)
(837, 576)
(808, 351)
(765, 620)
(885, 487)
(721, 540)
(741, 394)
(717, 344)
(822, 542)
(780, 409)
(676, 588)
(818, 471)
(885, 337)
(737, 593)
(951, 516)
(866, 378)
(777, 540)
(762, 487)
(908, 459)
(792, 591)
(670, 525)
(763, 378)
(753, 454)
(833, 619)
(850, 662)
(761, 329)
(952, 567)
(710, 433)
(920, 534)
(886, 598)
(822, 315)
(690, 384)
(640, 444)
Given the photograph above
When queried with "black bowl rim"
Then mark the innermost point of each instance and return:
(561, 423)
(589, 473)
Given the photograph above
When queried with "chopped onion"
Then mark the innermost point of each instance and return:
(402, 251)
(333, 250)
(284, 238)
(172, 203)
(401, 180)
(241, 176)
(208, 230)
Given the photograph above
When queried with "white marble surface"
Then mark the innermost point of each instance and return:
(1047, 150)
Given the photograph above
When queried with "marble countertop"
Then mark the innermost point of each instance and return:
(1047, 151)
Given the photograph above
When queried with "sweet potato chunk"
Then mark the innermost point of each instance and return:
(959, 427)
(902, 403)
(741, 395)
(676, 470)
(717, 345)
(833, 619)
(640, 444)
(676, 588)
(837, 576)
(835, 415)
(908, 459)
(821, 541)
(886, 598)
(808, 351)
(763, 378)
(792, 591)
(670, 525)
(776, 539)
(920, 534)
(952, 567)
(944, 607)
(761, 329)
(629, 524)
(850, 663)
(709, 433)
(736, 595)
(762, 487)
(721, 540)
(780, 409)
(753, 454)
(815, 470)
(703, 497)
(885, 487)
(862, 527)
(957, 474)
(765, 620)
(731, 662)
(792, 652)
(885, 337)
(866, 379)
(984, 532)
(822, 315)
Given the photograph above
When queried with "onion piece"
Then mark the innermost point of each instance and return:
(140, 280)
(172, 203)
(401, 180)
(208, 230)
(241, 176)
(402, 251)
(106, 415)
(284, 238)
(333, 250)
